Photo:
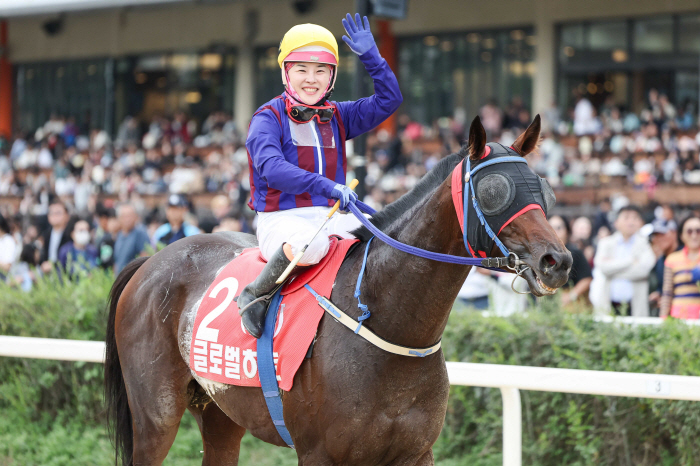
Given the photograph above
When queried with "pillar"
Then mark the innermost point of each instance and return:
(5, 85)
(544, 80)
(244, 95)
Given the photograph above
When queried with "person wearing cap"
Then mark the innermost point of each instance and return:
(663, 241)
(176, 228)
(296, 151)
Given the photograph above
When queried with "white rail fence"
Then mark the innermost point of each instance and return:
(509, 379)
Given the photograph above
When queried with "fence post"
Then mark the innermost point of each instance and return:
(512, 427)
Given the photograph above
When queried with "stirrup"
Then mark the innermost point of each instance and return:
(265, 297)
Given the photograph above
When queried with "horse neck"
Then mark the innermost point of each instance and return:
(411, 297)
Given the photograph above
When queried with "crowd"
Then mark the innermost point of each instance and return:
(621, 265)
(83, 195)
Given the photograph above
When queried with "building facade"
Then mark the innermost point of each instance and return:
(451, 56)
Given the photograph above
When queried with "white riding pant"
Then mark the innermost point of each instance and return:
(297, 226)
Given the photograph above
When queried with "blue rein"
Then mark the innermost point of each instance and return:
(488, 262)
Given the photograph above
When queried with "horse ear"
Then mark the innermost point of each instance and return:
(530, 139)
(477, 139)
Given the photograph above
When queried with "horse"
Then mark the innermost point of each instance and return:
(351, 402)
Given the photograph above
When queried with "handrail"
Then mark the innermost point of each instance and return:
(509, 379)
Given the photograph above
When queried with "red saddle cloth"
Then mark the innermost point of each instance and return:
(221, 350)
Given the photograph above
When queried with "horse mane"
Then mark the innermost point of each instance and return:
(434, 178)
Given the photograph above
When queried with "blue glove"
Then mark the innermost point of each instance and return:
(344, 194)
(361, 40)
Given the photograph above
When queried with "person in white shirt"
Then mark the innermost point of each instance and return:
(8, 248)
(621, 268)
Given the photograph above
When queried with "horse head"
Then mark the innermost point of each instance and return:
(514, 202)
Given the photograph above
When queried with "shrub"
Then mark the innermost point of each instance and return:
(561, 428)
(52, 412)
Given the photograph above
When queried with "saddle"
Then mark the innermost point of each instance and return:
(222, 351)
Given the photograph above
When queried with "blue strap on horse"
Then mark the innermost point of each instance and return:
(363, 307)
(267, 374)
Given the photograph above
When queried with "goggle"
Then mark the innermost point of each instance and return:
(304, 114)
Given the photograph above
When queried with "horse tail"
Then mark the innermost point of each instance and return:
(118, 412)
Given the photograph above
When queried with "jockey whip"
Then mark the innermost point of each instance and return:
(353, 184)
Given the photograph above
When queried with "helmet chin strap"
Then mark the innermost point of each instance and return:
(326, 96)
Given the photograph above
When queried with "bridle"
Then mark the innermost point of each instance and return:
(510, 260)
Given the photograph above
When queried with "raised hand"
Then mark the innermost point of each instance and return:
(360, 38)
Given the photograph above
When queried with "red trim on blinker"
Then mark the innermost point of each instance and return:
(457, 194)
(519, 213)
(487, 151)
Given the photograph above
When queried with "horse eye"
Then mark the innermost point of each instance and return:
(495, 193)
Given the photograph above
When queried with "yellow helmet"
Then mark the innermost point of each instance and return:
(317, 44)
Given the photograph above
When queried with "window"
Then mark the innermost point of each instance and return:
(689, 33)
(572, 35)
(608, 35)
(654, 35)
(448, 74)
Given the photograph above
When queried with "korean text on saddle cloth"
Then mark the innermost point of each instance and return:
(222, 351)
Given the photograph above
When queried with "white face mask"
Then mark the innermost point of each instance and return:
(82, 237)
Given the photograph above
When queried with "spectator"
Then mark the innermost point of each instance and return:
(104, 239)
(78, 254)
(580, 276)
(681, 295)
(132, 238)
(220, 209)
(621, 268)
(176, 228)
(8, 248)
(584, 117)
(475, 290)
(55, 236)
(663, 239)
(491, 118)
(228, 224)
(25, 272)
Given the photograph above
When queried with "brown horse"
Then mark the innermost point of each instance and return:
(352, 403)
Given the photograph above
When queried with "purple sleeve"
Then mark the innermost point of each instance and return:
(265, 149)
(367, 113)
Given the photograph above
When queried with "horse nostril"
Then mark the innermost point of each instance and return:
(550, 260)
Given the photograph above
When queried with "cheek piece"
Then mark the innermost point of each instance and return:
(503, 192)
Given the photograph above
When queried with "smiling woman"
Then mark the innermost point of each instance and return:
(310, 81)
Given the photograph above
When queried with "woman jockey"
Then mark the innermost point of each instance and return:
(296, 152)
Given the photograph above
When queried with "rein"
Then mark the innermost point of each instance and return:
(510, 260)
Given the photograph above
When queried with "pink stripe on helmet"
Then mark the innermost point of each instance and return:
(312, 57)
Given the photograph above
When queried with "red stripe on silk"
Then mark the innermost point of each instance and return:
(340, 146)
(307, 161)
(251, 178)
(272, 200)
(519, 213)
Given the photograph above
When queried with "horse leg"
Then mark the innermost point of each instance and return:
(220, 435)
(156, 419)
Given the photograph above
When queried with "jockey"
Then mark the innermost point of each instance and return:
(296, 152)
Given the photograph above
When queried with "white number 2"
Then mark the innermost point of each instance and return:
(211, 334)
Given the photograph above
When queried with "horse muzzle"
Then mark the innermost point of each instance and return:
(548, 272)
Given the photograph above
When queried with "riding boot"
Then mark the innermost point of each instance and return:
(253, 315)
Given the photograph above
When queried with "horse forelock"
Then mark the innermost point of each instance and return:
(424, 188)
